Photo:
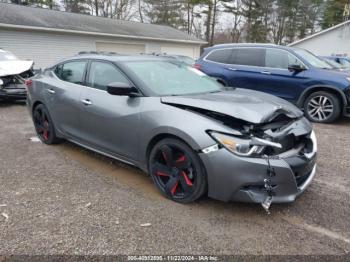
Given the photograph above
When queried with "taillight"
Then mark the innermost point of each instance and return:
(197, 66)
(28, 83)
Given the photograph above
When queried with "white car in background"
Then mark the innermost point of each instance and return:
(13, 75)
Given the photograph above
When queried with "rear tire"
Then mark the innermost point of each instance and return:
(322, 107)
(44, 125)
(177, 171)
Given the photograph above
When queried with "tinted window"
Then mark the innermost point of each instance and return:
(220, 56)
(58, 70)
(276, 59)
(72, 72)
(292, 60)
(103, 74)
(248, 56)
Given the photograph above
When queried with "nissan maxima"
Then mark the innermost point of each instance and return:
(189, 133)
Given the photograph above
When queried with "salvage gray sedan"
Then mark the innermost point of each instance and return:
(192, 135)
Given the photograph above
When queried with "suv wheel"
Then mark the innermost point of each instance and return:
(322, 107)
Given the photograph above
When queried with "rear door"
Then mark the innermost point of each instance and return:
(215, 62)
(63, 90)
(245, 67)
(109, 122)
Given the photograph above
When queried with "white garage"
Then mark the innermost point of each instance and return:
(47, 36)
(123, 48)
(330, 42)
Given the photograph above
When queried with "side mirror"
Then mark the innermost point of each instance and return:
(296, 68)
(121, 89)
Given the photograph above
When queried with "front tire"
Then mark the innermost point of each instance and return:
(44, 125)
(322, 107)
(177, 171)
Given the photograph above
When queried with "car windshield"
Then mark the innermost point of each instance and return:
(187, 60)
(333, 63)
(312, 59)
(346, 63)
(7, 56)
(173, 78)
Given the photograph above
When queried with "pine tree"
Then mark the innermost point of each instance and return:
(334, 12)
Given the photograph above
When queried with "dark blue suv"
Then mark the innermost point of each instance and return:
(290, 73)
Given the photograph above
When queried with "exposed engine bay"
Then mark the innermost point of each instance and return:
(13, 74)
(280, 130)
(279, 136)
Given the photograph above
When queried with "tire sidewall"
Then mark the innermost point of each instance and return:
(52, 134)
(201, 179)
(336, 107)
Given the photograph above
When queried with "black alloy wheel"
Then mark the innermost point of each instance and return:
(44, 126)
(177, 171)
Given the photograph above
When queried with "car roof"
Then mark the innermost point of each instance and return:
(263, 45)
(114, 57)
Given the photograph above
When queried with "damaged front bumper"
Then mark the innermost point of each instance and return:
(13, 87)
(243, 179)
(15, 91)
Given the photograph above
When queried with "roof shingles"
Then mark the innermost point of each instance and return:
(43, 18)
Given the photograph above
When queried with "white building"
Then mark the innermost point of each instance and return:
(47, 36)
(332, 41)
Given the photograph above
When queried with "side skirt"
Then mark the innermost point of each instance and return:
(121, 159)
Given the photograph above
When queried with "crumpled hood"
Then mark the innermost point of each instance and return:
(14, 67)
(251, 106)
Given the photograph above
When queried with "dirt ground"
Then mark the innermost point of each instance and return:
(66, 200)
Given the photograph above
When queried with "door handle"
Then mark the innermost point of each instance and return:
(266, 72)
(86, 102)
(51, 91)
(232, 69)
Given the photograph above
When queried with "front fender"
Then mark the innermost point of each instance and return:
(315, 88)
(172, 121)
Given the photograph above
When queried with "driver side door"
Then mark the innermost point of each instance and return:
(109, 123)
(277, 79)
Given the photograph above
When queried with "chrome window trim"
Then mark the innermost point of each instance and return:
(247, 47)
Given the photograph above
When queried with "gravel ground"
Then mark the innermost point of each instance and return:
(66, 200)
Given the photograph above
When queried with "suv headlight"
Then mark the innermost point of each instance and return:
(237, 145)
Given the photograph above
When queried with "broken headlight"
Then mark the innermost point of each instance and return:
(243, 146)
(237, 145)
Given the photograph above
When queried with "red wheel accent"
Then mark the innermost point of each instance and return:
(45, 135)
(162, 174)
(188, 181)
(46, 130)
(181, 159)
(173, 190)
